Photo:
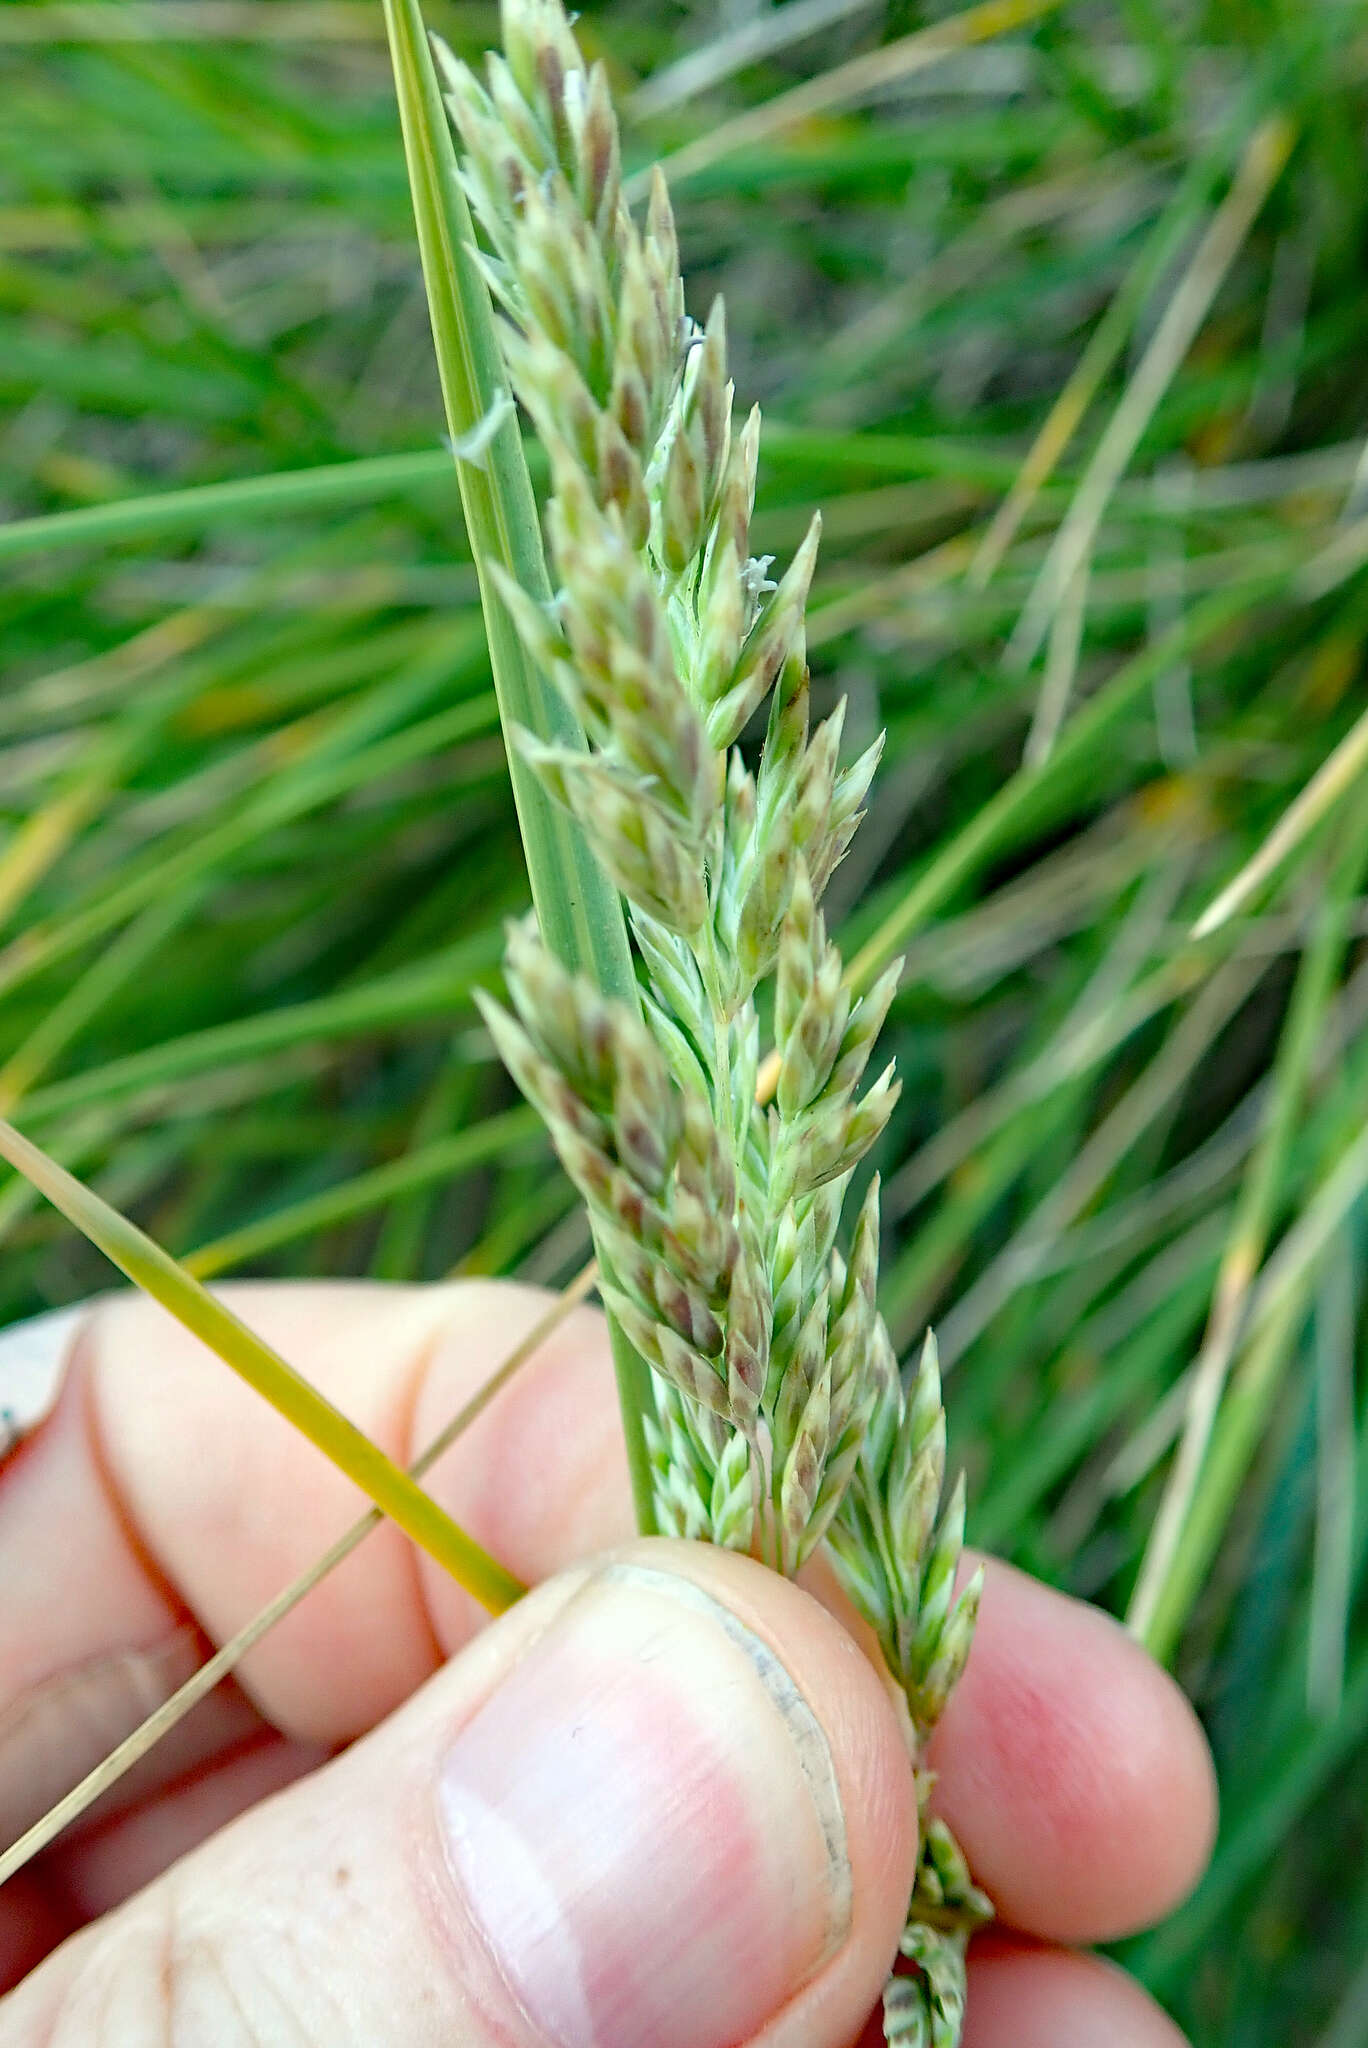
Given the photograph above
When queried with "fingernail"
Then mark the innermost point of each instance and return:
(33, 1361)
(645, 1824)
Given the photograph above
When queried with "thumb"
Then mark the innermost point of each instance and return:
(664, 1803)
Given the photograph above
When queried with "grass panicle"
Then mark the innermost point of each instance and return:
(717, 1217)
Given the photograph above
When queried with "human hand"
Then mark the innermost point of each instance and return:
(664, 1803)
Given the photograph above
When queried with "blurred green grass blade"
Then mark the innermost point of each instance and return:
(1037, 792)
(1067, 1433)
(306, 786)
(1255, 1216)
(166, 515)
(46, 832)
(1210, 1463)
(422, 992)
(1239, 1429)
(110, 971)
(1309, 1763)
(873, 71)
(914, 1279)
(1348, 2027)
(525, 1224)
(153, 1270)
(1332, 1567)
(1093, 1163)
(577, 908)
(813, 455)
(1265, 157)
(448, 1104)
(734, 49)
(420, 1168)
(1109, 337)
(1332, 781)
(1077, 1045)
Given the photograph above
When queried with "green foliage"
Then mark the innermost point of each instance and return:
(259, 841)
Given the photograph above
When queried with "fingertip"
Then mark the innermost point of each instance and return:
(1023, 1997)
(1072, 1769)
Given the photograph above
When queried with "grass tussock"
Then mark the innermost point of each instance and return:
(1064, 330)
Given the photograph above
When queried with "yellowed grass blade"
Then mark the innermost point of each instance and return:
(1332, 779)
(349, 1448)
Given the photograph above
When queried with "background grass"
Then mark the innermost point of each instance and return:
(257, 833)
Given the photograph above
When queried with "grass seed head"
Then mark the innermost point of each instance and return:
(781, 1421)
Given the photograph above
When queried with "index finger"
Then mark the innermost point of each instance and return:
(1071, 1768)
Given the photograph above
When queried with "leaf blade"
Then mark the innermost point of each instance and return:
(349, 1448)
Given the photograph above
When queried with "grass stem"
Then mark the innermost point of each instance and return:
(577, 908)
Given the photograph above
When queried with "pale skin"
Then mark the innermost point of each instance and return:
(161, 1504)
